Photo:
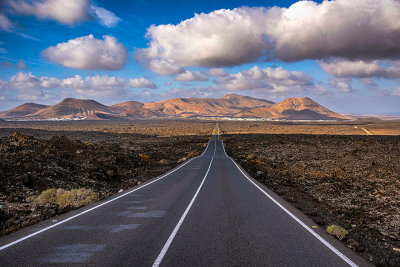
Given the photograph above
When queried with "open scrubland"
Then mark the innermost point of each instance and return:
(180, 127)
(335, 172)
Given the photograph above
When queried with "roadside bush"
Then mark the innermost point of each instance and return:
(63, 198)
(337, 231)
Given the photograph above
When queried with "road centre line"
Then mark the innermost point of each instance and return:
(164, 250)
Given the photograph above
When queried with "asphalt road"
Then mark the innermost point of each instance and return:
(204, 213)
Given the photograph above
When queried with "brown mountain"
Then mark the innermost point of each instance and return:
(228, 105)
(123, 107)
(140, 112)
(72, 108)
(293, 109)
(22, 110)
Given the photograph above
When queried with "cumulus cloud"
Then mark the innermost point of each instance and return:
(165, 67)
(217, 72)
(220, 38)
(89, 53)
(203, 92)
(276, 80)
(142, 83)
(191, 76)
(98, 86)
(341, 85)
(361, 69)
(32, 87)
(66, 12)
(358, 29)
(5, 23)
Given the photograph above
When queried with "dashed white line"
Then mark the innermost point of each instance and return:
(164, 250)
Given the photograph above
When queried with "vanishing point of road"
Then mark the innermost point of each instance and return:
(205, 212)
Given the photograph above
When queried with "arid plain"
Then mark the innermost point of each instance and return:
(342, 173)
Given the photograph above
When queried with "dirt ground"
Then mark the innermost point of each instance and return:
(202, 127)
(351, 181)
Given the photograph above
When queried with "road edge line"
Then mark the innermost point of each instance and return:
(167, 244)
(320, 238)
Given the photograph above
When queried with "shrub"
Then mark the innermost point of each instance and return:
(48, 196)
(144, 157)
(76, 198)
(63, 198)
(337, 231)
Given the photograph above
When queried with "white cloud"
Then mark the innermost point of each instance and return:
(396, 92)
(276, 80)
(191, 76)
(89, 53)
(351, 29)
(357, 29)
(106, 18)
(5, 23)
(142, 83)
(217, 72)
(179, 92)
(66, 12)
(31, 87)
(165, 67)
(361, 69)
(220, 38)
(100, 86)
(341, 85)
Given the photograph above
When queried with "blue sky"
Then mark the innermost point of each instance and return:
(344, 54)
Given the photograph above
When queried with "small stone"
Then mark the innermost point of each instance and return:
(164, 161)
(353, 244)
(121, 190)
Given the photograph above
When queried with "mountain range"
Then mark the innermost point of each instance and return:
(232, 105)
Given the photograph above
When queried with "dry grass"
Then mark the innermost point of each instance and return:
(336, 231)
(74, 198)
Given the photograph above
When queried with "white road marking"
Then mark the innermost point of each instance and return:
(164, 250)
(326, 243)
(95, 207)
